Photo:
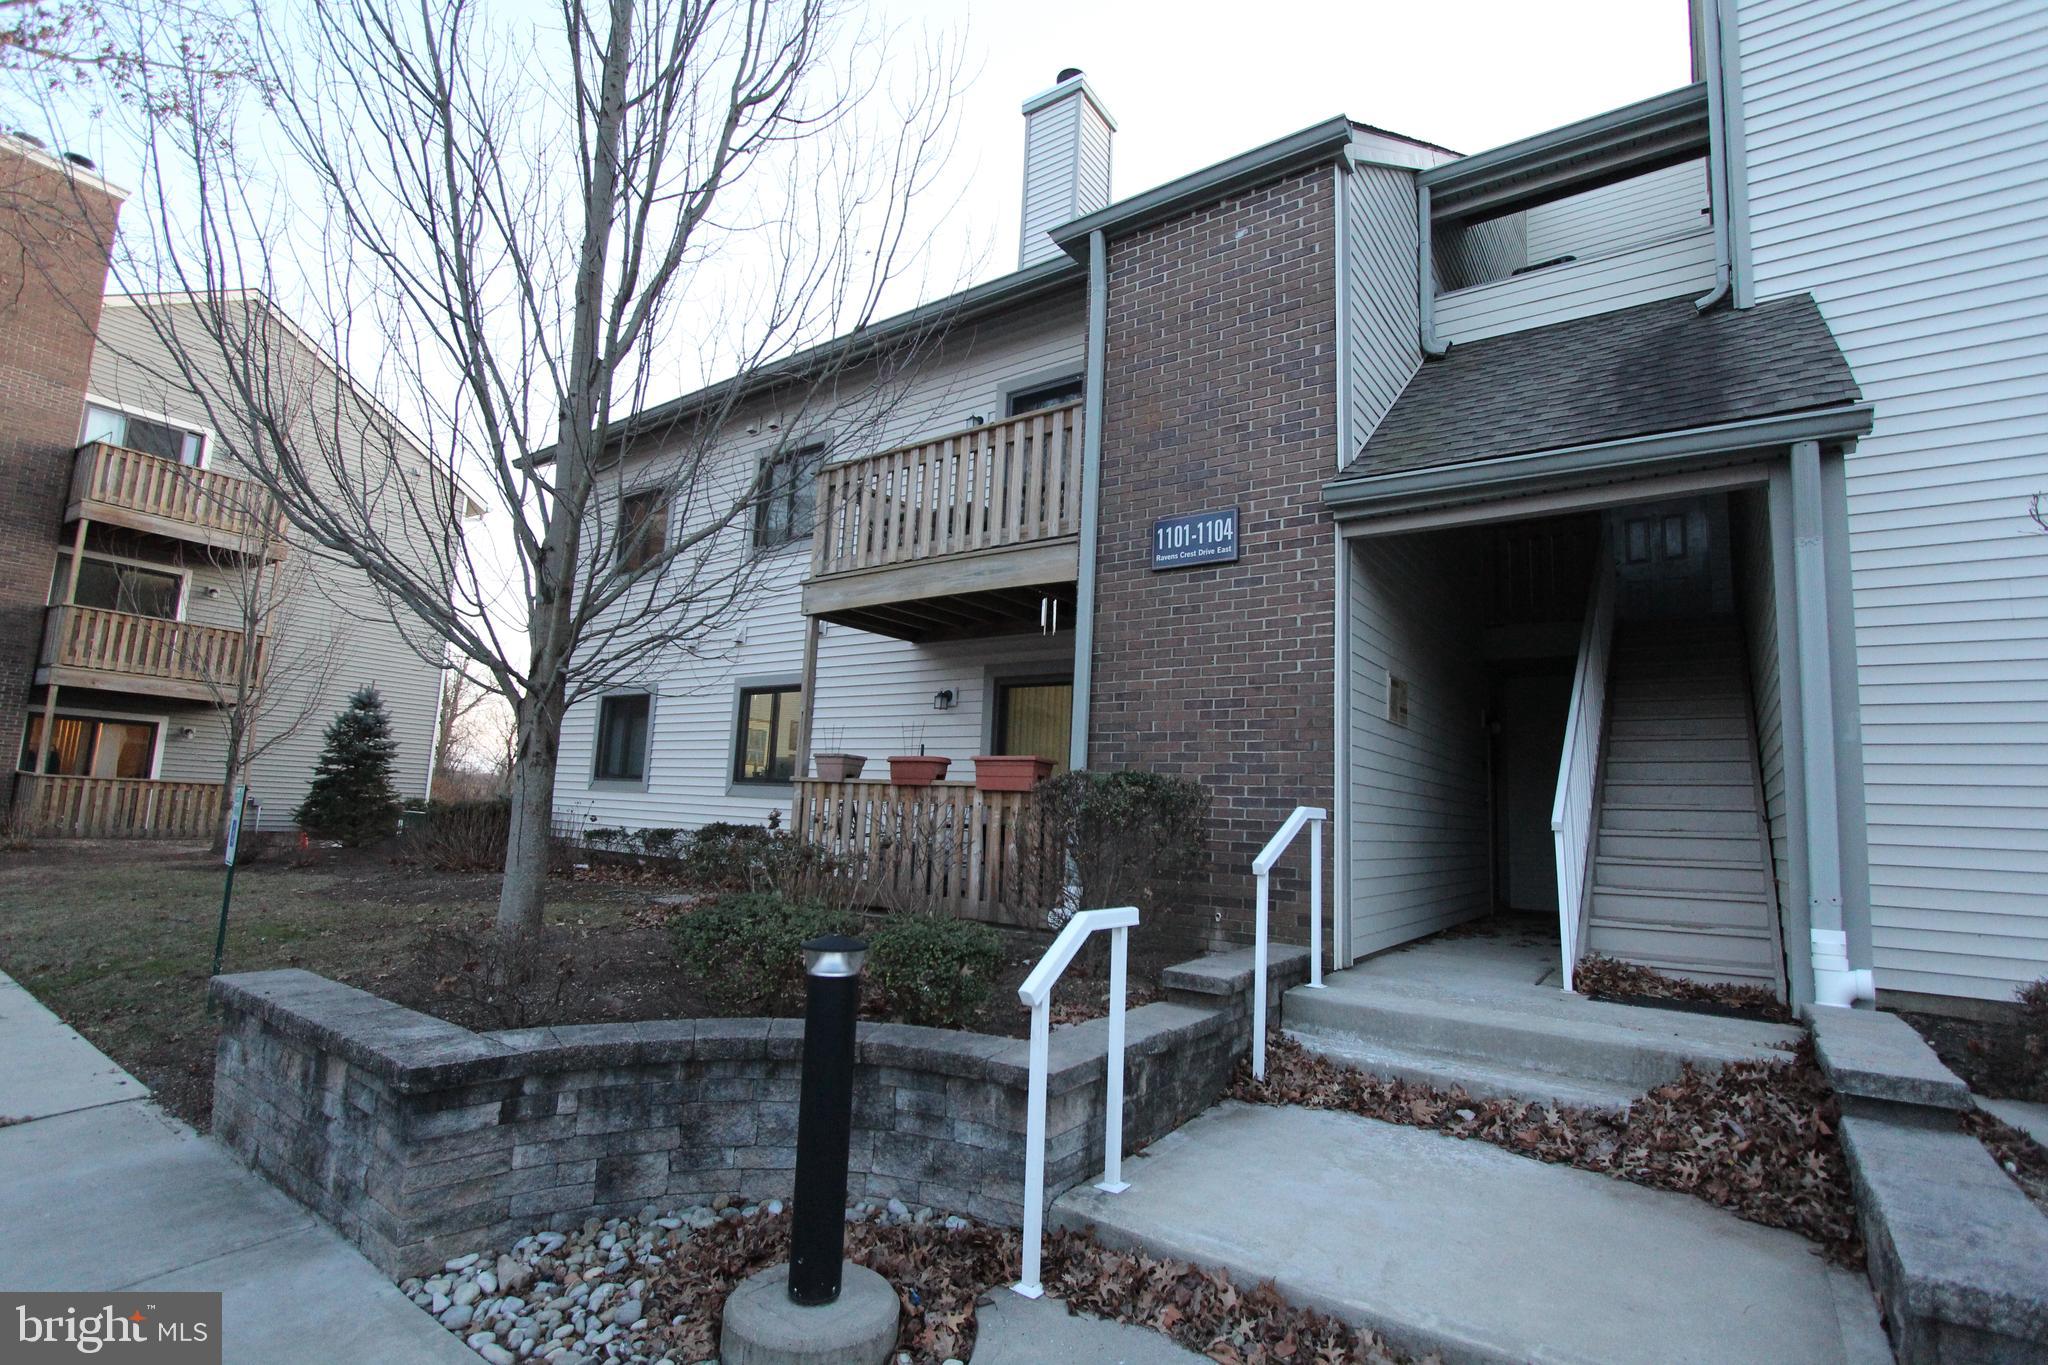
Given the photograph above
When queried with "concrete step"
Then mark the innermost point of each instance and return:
(1565, 1036)
(1660, 871)
(1476, 1077)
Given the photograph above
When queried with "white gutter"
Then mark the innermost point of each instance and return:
(1717, 162)
(1735, 155)
(1091, 495)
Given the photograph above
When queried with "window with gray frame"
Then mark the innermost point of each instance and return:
(1057, 394)
(788, 497)
(622, 737)
(766, 749)
(643, 529)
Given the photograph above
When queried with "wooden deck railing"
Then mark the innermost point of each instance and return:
(1006, 483)
(68, 807)
(235, 512)
(144, 646)
(948, 846)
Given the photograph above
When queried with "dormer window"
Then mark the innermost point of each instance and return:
(151, 435)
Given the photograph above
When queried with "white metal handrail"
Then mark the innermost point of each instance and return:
(1037, 993)
(1571, 814)
(1262, 869)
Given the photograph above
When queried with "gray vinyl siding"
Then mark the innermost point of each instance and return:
(1637, 241)
(874, 693)
(1896, 172)
(1380, 294)
(1419, 845)
(336, 635)
(1755, 593)
(1480, 253)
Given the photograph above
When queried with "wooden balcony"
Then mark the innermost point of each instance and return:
(962, 535)
(120, 652)
(64, 807)
(947, 846)
(162, 497)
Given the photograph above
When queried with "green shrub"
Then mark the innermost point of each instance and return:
(746, 949)
(1129, 838)
(935, 971)
(728, 857)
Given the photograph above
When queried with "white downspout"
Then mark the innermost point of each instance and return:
(1717, 159)
(1425, 278)
(1091, 495)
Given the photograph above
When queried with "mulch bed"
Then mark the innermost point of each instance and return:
(2004, 1057)
(941, 1273)
(1755, 1138)
(1606, 978)
(2022, 1158)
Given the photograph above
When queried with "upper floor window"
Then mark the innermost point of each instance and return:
(622, 737)
(788, 495)
(117, 585)
(150, 435)
(643, 529)
(1055, 395)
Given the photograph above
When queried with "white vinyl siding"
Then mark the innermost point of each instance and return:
(336, 635)
(1419, 808)
(1379, 294)
(1896, 172)
(874, 693)
(1066, 170)
(1635, 242)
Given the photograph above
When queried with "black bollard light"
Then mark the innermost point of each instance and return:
(824, 1118)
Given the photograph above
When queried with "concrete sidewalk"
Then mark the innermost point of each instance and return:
(1477, 1253)
(105, 1191)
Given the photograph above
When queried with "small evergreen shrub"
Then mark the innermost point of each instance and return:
(729, 857)
(351, 798)
(746, 949)
(932, 970)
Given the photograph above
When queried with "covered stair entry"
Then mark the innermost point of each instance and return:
(1681, 869)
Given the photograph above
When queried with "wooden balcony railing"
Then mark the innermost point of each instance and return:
(176, 658)
(67, 807)
(150, 493)
(948, 846)
(1007, 483)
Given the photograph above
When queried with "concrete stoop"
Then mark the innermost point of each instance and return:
(1478, 1016)
(1472, 1252)
(1958, 1254)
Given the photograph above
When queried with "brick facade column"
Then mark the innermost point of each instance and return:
(1221, 392)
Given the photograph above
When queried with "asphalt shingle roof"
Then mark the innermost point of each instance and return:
(1638, 371)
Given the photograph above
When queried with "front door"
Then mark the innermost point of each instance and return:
(1035, 716)
(1663, 560)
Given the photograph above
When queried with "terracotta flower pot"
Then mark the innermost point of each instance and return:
(916, 770)
(1010, 772)
(839, 767)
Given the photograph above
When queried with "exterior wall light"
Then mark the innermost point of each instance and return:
(943, 699)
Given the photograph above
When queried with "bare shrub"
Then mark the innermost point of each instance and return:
(493, 982)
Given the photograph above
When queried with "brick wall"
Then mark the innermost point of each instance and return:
(55, 236)
(1222, 392)
(420, 1140)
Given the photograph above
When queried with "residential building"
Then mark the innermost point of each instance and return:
(1628, 526)
(160, 610)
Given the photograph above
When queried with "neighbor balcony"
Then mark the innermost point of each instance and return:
(122, 652)
(973, 533)
(67, 807)
(148, 493)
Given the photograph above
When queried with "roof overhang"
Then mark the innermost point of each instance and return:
(1617, 145)
(1509, 476)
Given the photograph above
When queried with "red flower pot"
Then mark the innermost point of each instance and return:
(916, 770)
(1010, 772)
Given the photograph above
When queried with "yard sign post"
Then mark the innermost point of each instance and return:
(236, 803)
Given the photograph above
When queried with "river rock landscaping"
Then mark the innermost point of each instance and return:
(649, 1290)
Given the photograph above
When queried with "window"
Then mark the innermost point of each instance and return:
(1054, 395)
(114, 585)
(767, 743)
(87, 746)
(149, 435)
(622, 738)
(643, 529)
(789, 491)
(1036, 717)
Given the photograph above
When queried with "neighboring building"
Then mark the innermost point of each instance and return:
(161, 607)
(1648, 497)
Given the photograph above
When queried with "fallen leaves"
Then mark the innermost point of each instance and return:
(1607, 978)
(1756, 1138)
(2018, 1155)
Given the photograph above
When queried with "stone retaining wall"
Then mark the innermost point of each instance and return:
(418, 1138)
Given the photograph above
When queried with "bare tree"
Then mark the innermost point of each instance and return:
(472, 715)
(527, 228)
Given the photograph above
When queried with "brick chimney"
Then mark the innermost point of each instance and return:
(1066, 162)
